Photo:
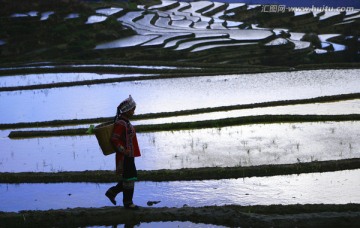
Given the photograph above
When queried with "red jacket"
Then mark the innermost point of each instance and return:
(124, 140)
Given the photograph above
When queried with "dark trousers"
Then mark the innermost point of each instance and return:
(124, 185)
(127, 187)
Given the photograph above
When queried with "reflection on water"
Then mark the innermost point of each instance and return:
(39, 79)
(53, 155)
(95, 65)
(251, 145)
(315, 188)
(333, 108)
(174, 94)
(223, 147)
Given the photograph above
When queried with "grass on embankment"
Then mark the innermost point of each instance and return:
(307, 215)
(207, 173)
(236, 121)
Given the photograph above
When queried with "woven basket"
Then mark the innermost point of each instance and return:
(103, 134)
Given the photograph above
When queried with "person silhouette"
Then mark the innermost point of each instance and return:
(126, 146)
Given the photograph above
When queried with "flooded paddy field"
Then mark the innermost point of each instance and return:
(168, 95)
(37, 79)
(311, 188)
(244, 118)
(235, 146)
(331, 108)
(246, 145)
(279, 143)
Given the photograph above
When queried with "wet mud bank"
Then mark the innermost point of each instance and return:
(235, 121)
(314, 215)
(214, 173)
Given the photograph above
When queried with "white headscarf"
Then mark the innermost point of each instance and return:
(126, 105)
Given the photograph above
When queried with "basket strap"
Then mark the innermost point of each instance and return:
(117, 114)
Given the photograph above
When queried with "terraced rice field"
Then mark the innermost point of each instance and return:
(220, 147)
(197, 28)
(233, 146)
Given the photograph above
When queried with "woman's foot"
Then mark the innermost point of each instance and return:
(111, 196)
(131, 206)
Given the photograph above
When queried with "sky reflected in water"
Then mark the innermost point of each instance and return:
(339, 187)
(174, 94)
(229, 146)
(331, 108)
(39, 79)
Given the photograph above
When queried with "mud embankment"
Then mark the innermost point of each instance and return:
(227, 122)
(230, 215)
(209, 173)
(55, 123)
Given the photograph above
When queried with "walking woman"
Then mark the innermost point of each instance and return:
(126, 146)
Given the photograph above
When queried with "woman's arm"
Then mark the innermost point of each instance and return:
(118, 138)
